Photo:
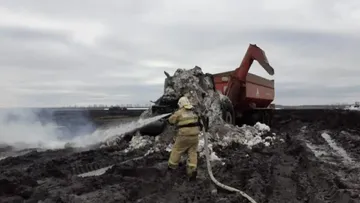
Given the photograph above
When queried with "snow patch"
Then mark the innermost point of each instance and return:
(214, 157)
(98, 172)
(169, 147)
(138, 142)
(354, 107)
(262, 127)
(248, 135)
(201, 149)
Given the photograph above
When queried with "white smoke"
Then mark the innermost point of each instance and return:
(22, 128)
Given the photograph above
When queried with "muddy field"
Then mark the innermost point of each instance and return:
(316, 159)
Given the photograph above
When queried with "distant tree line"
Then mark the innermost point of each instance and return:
(108, 106)
(103, 106)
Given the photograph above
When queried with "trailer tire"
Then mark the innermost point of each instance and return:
(153, 129)
(228, 114)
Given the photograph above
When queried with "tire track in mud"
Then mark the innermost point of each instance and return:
(333, 177)
(323, 147)
(333, 155)
(347, 160)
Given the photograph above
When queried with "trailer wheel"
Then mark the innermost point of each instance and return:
(228, 114)
(153, 129)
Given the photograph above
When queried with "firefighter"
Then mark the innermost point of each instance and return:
(187, 137)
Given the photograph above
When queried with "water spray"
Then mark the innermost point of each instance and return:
(114, 137)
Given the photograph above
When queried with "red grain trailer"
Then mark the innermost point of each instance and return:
(250, 95)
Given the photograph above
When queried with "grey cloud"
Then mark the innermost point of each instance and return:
(47, 67)
(302, 90)
(318, 94)
(86, 9)
(312, 43)
(26, 34)
(36, 49)
(41, 50)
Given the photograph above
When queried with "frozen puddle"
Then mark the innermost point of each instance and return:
(339, 150)
(98, 172)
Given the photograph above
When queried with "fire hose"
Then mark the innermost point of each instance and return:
(204, 120)
(208, 165)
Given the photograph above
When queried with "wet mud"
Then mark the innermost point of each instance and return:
(300, 166)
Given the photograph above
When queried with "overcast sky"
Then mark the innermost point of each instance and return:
(60, 53)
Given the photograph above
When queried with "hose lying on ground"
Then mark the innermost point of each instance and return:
(208, 165)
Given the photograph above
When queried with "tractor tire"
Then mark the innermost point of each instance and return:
(154, 128)
(228, 113)
(262, 116)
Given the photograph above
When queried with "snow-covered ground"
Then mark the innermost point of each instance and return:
(353, 108)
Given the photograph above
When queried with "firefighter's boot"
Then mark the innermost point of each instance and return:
(193, 176)
(191, 172)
